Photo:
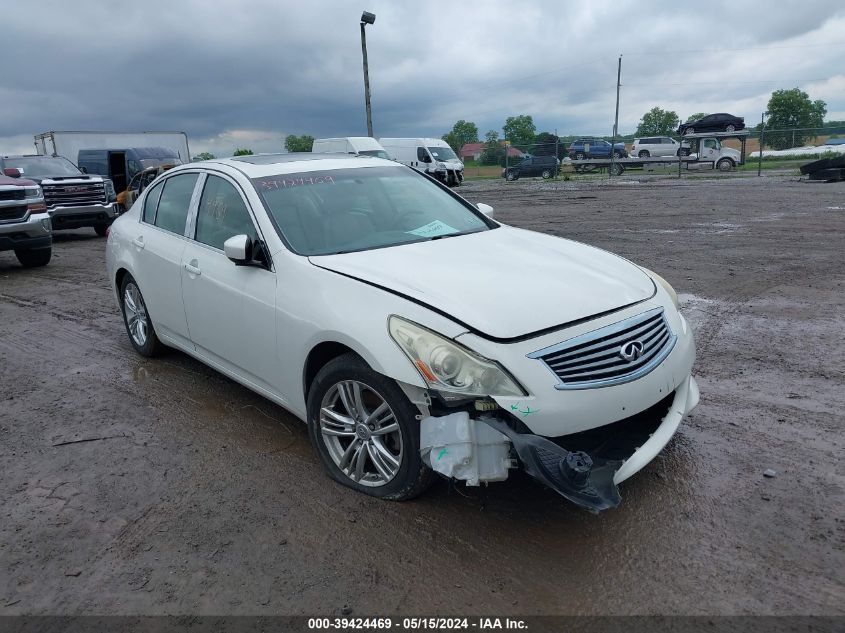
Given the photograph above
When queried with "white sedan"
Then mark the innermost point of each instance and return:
(411, 332)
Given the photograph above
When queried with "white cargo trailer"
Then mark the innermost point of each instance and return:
(68, 144)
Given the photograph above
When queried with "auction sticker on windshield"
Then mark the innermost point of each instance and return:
(433, 229)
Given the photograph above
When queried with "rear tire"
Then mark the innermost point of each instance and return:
(580, 156)
(730, 128)
(689, 131)
(35, 257)
(547, 173)
(336, 441)
(511, 176)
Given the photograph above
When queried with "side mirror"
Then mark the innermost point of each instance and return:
(486, 209)
(238, 248)
(12, 172)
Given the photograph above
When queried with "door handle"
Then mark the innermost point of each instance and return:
(193, 269)
(139, 241)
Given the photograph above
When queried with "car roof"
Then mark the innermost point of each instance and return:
(259, 165)
(28, 156)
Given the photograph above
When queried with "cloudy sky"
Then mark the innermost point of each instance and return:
(246, 73)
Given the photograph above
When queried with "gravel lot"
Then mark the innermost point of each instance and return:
(135, 486)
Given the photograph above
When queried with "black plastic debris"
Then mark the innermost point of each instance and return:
(583, 479)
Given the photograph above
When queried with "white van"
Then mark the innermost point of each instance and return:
(363, 145)
(430, 155)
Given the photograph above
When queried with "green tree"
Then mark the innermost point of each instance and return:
(493, 151)
(657, 122)
(463, 132)
(696, 116)
(793, 109)
(204, 156)
(545, 143)
(302, 143)
(242, 152)
(520, 131)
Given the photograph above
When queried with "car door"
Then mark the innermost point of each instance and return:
(158, 244)
(230, 308)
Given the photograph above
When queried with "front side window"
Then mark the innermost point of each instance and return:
(174, 203)
(343, 210)
(222, 214)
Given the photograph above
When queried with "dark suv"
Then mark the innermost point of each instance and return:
(595, 148)
(545, 166)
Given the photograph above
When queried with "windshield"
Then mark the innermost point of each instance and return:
(442, 153)
(43, 166)
(343, 210)
(378, 153)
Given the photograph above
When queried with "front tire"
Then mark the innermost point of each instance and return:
(547, 173)
(137, 320)
(580, 156)
(365, 431)
(35, 257)
(689, 131)
(511, 176)
(725, 164)
(643, 154)
(730, 128)
(102, 229)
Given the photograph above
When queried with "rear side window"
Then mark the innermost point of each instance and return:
(222, 214)
(174, 202)
(151, 203)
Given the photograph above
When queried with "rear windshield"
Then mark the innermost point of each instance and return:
(43, 166)
(345, 210)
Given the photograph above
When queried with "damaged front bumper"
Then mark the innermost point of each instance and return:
(584, 468)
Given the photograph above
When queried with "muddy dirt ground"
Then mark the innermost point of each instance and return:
(192, 495)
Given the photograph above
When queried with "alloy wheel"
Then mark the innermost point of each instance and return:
(361, 433)
(137, 321)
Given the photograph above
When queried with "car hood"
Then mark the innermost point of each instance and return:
(504, 283)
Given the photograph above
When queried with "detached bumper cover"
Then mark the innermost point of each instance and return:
(590, 480)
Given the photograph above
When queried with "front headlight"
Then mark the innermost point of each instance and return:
(109, 187)
(32, 192)
(666, 286)
(446, 366)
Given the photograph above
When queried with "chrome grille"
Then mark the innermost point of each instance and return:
(610, 355)
(74, 195)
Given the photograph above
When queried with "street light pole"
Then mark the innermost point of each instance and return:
(367, 18)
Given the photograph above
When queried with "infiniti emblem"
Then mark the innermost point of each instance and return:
(631, 350)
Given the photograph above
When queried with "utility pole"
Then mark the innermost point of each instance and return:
(760, 154)
(367, 18)
(616, 119)
(556, 150)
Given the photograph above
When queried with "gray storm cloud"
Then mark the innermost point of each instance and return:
(247, 73)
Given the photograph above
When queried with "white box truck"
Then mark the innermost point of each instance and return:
(359, 145)
(67, 144)
(430, 155)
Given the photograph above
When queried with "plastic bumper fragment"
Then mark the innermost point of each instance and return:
(586, 481)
